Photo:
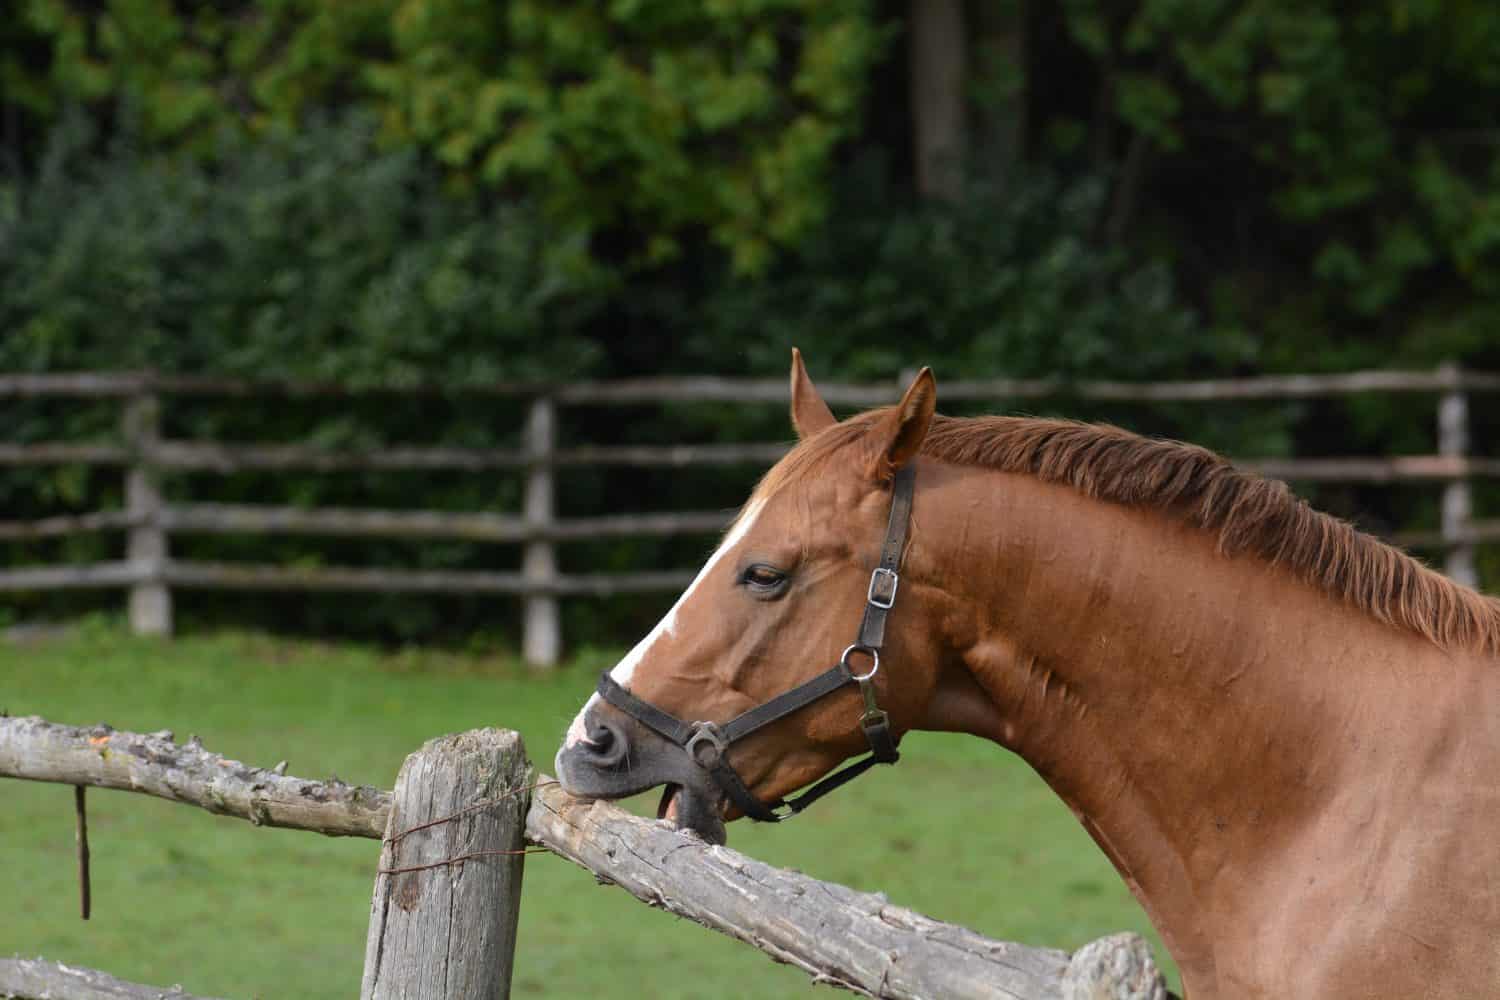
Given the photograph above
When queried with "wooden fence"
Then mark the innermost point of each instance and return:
(150, 573)
(470, 803)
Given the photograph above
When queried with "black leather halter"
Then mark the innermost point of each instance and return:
(708, 743)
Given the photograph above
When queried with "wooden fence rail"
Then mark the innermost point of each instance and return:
(38, 979)
(701, 388)
(460, 801)
(149, 521)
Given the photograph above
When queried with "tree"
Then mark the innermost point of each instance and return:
(938, 106)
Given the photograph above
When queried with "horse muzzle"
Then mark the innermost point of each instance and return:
(620, 757)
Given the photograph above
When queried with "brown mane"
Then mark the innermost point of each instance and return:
(1247, 513)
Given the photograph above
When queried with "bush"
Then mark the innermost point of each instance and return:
(309, 254)
(642, 122)
(1013, 282)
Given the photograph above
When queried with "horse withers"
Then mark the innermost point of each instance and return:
(1283, 733)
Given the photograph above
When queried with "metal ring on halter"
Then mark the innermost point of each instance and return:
(706, 733)
(874, 655)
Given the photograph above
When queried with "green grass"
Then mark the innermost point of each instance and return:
(960, 830)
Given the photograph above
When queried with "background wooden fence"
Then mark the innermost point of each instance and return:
(150, 573)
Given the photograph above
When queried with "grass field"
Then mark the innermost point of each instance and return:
(960, 830)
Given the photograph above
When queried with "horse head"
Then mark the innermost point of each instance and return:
(776, 625)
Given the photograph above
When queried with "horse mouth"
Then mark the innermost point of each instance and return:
(688, 808)
(667, 807)
(635, 760)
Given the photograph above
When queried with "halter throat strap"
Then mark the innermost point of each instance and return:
(707, 743)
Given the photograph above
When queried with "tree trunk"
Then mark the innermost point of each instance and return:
(1000, 52)
(937, 96)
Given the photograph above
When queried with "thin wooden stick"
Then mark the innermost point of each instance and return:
(80, 812)
(464, 857)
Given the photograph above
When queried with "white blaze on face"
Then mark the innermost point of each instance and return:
(623, 670)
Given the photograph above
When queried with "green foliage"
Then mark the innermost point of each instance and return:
(648, 119)
(1008, 283)
(656, 118)
(1353, 148)
(190, 70)
(308, 254)
(1366, 134)
(1323, 176)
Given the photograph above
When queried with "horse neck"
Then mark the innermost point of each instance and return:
(1187, 706)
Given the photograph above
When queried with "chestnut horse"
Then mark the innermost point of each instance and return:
(1283, 733)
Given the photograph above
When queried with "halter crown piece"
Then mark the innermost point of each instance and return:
(708, 743)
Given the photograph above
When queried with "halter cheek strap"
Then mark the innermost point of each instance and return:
(707, 743)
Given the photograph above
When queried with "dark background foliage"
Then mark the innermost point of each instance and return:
(460, 191)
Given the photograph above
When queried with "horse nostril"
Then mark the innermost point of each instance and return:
(606, 745)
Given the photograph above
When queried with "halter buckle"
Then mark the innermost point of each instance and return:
(882, 589)
(873, 713)
(709, 734)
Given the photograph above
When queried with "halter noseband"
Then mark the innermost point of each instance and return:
(708, 743)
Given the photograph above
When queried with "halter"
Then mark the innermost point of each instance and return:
(708, 743)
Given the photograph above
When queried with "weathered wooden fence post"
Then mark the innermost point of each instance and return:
(1117, 967)
(541, 643)
(448, 895)
(146, 545)
(1458, 503)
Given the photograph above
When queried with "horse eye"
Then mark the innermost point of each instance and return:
(763, 577)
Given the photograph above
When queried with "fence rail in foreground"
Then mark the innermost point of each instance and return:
(149, 521)
(429, 928)
(38, 979)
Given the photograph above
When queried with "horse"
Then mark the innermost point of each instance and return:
(1283, 733)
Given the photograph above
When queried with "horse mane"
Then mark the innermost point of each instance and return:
(1248, 514)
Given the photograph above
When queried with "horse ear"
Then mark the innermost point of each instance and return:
(809, 413)
(901, 433)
